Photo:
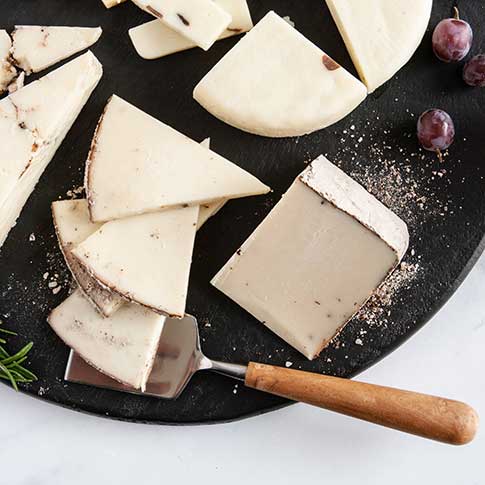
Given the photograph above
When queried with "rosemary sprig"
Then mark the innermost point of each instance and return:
(11, 368)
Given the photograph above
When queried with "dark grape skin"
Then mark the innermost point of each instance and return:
(452, 39)
(474, 71)
(436, 131)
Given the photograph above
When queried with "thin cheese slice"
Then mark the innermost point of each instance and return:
(154, 39)
(138, 164)
(146, 259)
(316, 259)
(201, 21)
(122, 346)
(33, 123)
(276, 83)
(381, 35)
(112, 3)
(36, 48)
(7, 70)
(72, 225)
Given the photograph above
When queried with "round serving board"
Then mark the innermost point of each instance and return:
(444, 205)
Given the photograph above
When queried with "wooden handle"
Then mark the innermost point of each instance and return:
(431, 417)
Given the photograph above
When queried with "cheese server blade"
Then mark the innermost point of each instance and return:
(180, 356)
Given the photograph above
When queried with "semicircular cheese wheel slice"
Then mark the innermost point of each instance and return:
(146, 259)
(276, 83)
(123, 346)
(381, 35)
(138, 164)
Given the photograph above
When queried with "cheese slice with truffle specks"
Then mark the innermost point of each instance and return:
(145, 259)
(154, 39)
(201, 21)
(7, 70)
(380, 35)
(73, 226)
(33, 123)
(316, 259)
(123, 346)
(36, 48)
(138, 164)
(276, 83)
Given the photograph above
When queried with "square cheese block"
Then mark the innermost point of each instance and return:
(154, 39)
(36, 47)
(123, 346)
(201, 21)
(316, 259)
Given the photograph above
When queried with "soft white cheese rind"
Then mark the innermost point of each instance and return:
(36, 48)
(44, 112)
(337, 187)
(309, 267)
(276, 83)
(381, 35)
(122, 346)
(138, 164)
(201, 21)
(154, 39)
(146, 259)
(73, 226)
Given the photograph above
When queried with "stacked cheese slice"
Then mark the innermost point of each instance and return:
(184, 24)
(129, 244)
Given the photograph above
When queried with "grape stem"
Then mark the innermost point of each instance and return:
(457, 13)
(440, 155)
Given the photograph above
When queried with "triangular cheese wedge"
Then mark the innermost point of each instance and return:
(138, 164)
(380, 35)
(201, 21)
(122, 346)
(73, 226)
(7, 71)
(112, 3)
(36, 48)
(33, 123)
(154, 39)
(276, 83)
(146, 259)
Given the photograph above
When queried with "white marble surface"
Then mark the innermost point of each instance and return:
(45, 445)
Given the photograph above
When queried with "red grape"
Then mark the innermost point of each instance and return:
(436, 130)
(452, 39)
(474, 71)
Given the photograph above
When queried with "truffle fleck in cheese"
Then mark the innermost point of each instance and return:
(316, 259)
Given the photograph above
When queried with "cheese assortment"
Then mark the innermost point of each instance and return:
(73, 226)
(138, 164)
(146, 258)
(122, 346)
(35, 120)
(7, 70)
(380, 35)
(36, 48)
(154, 39)
(276, 83)
(315, 260)
(201, 21)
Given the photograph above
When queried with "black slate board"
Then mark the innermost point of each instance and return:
(446, 211)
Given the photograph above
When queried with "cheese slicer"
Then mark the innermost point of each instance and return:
(180, 356)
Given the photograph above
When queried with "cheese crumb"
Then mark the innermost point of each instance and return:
(288, 363)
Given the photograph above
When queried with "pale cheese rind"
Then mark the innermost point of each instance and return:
(381, 35)
(36, 48)
(154, 39)
(145, 259)
(138, 164)
(277, 83)
(312, 263)
(7, 70)
(33, 123)
(201, 21)
(73, 226)
(122, 346)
